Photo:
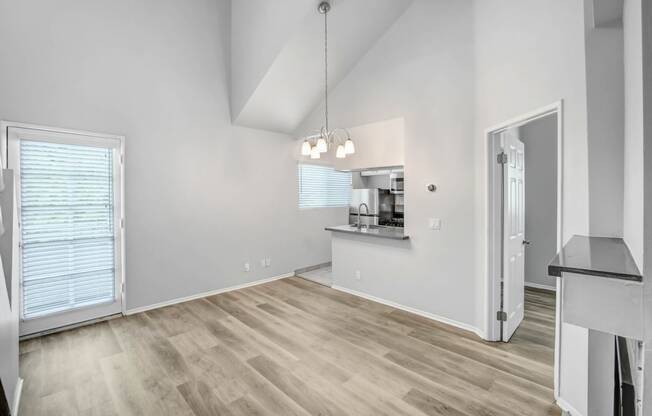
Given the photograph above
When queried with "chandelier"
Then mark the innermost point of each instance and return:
(326, 139)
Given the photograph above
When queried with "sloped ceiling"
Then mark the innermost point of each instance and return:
(277, 76)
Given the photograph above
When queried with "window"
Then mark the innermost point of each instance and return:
(66, 197)
(69, 211)
(322, 186)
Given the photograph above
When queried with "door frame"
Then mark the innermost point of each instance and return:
(119, 217)
(494, 221)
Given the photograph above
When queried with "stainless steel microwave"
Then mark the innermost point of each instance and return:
(396, 182)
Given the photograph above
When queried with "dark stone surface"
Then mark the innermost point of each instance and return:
(596, 256)
(392, 233)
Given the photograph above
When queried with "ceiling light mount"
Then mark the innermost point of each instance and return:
(324, 7)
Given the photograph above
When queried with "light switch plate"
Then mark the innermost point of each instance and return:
(435, 223)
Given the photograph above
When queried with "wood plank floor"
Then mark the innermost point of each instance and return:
(289, 347)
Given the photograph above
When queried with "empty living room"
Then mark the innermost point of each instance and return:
(326, 207)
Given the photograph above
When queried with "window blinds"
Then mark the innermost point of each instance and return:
(67, 229)
(322, 186)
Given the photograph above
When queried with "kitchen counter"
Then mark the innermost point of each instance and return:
(392, 233)
(596, 256)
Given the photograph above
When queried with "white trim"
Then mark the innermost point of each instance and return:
(540, 286)
(4, 136)
(566, 407)
(18, 393)
(69, 327)
(20, 131)
(206, 294)
(491, 280)
(428, 315)
(123, 228)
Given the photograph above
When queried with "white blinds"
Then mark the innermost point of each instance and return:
(322, 186)
(66, 213)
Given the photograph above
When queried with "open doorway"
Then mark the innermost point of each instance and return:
(535, 311)
(524, 218)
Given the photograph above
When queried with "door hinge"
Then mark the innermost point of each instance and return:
(122, 223)
(122, 288)
(122, 158)
(502, 158)
(501, 316)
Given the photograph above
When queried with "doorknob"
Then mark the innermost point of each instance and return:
(527, 242)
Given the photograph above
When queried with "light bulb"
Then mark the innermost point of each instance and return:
(314, 153)
(340, 154)
(305, 148)
(349, 147)
(322, 146)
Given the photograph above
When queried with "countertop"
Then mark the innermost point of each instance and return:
(596, 256)
(392, 233)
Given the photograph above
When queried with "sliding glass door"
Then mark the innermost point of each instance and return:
(69, 203)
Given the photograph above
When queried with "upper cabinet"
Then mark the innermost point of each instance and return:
(376, 145)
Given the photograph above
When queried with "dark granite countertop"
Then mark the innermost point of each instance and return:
(392, 233)
(596, 256)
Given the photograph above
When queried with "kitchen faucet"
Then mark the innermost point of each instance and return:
(359, 209)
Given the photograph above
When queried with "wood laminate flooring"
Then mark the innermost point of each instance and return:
(290, 347)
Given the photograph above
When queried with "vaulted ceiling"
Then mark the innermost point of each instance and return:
(277, 58)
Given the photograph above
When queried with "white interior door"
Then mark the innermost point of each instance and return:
(69, 207)
(514, 233)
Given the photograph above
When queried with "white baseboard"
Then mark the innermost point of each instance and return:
(18, 392)
(428, 315)
(205, 294)
(540, 286)
(565, 407)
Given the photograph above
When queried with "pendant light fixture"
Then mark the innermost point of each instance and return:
(349, 147)
(338, 138)
(305, 148)
(341, 152)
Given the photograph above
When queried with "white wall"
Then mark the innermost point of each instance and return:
(259, 30)
(529, 54)
(574, 367)
(637, 18)
(9, 297)
(202, 196)
(646, 15)
(421, 70)
(633, 144)
(540, 139)
(605, 112)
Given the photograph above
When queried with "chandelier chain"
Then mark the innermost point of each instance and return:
(326, 70)
(327, 139)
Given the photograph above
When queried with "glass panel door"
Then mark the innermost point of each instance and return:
(69, 239)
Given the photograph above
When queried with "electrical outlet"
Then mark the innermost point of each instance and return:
(247, 267)
(268, 261)
(434, 223)
(357, 275)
